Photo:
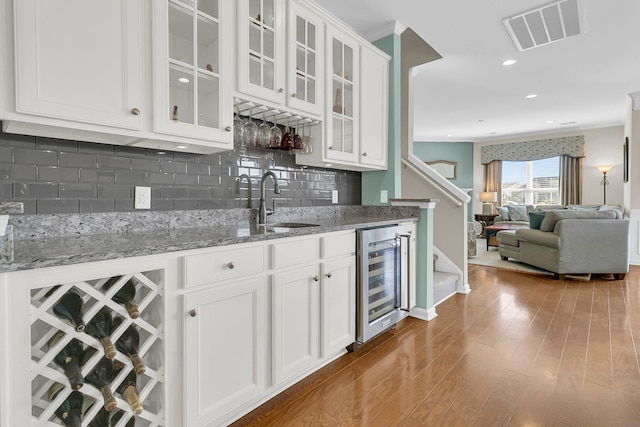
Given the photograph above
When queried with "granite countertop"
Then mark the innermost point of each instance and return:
(123, 235)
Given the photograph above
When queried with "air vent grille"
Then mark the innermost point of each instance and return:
(544, 25)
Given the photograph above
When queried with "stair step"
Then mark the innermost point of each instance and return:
(444, 285)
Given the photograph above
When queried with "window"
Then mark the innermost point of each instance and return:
(535, 182)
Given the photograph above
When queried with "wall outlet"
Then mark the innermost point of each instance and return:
(142, 198)
(334, 196)
(384, 196)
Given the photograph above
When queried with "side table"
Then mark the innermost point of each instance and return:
(485, 220)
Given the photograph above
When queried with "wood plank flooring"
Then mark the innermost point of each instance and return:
(519, 350)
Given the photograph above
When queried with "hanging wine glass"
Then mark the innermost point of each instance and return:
(238, 133)
(287, 138)
(297, 140)
(276, 136)
(307, 142)
(250, 131)
(264, 133)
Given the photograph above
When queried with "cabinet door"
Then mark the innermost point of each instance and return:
(192, 69)
(295, 325)
(374, 107)
(337, 294)
(305, 50)
(342, 96)
(261, 49)
(225, 350)
(80, 60)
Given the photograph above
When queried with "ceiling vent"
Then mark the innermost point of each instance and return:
(544, 25)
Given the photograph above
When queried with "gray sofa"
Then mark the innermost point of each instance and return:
(572, 242)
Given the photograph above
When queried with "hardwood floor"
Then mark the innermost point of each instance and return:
(519, 350)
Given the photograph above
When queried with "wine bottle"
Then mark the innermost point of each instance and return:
(70, 411)
(125, 296)
(69, 359)
(117, 416)
(100, 377)
(100, 327)
(127, 389)
(70, 308)
(129, 343)
(101, 419)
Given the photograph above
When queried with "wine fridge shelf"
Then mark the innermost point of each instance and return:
(45, 324)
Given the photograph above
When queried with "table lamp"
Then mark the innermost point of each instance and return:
(488, 198)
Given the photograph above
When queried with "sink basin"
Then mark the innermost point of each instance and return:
(292, 225)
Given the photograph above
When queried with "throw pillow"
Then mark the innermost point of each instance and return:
(518, 213)
(615, 209)
(535, 219)
(503, 212)
(552, 217)
(541, 208)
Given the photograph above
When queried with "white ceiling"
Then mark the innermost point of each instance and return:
(469, 96)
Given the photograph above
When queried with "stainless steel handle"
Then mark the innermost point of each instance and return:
(231, 265)
(193, 312)
(405, 296)
(135, 111)
(316, 278)
(328, 274)
(227, 128)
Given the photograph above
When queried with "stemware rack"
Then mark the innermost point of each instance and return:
(278, 116)
(44, 324)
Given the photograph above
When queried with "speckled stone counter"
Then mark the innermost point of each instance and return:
(63, 239)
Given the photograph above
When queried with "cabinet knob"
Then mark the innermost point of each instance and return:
(364, 154)
(227, 128)
(281, 90)
(316, 278)
(331, 148)
(293, 95)
(193, 312)
(231, 266)
(135, 111)
(328, 274)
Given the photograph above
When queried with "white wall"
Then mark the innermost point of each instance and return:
(603, 146)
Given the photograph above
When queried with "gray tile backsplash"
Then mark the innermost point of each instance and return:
(60, 176)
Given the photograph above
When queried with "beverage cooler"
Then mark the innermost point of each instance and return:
(382, 279)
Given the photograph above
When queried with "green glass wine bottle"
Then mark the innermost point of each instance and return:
(70, 308)
(129, 344)
(100, 377)
(100, 327)
(70, 411)
(69, 359)
(101, 419)
(117, 416)
(126, 295)
(128, 388)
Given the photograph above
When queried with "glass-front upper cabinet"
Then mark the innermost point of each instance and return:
(305, 50)
(342, 96)
(193, 86)
(260, 48)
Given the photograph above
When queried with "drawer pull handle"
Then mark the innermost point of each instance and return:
(227, 128)
(135, 111)
(231, 266)
(328, 274)
(193, 312)
(316, 278)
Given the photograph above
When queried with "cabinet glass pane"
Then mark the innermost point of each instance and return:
(180, 94)
(337, 133)
(347, 141)
(208, 101)
(300, 30)
(311, 36)
(268, 13)
(268, 76)
(348, 63)
(180, 34)
(301, 88)
(338, 106)
(300, 60)
(255, 44)
(348, 99)
(207, 44)
(311, 91)
(268, 44)
(311, 64)
(210, 7)
(337, 57)
(254, 9)
(255, 70)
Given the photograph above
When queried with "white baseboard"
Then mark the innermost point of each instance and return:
(423, 314)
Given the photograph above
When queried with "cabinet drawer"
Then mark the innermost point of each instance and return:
(293, 252)
(223, 264)
(337, 245)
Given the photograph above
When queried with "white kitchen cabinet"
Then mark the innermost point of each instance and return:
(193, 70)
(338, 304)
(80, 61)
(374, 107)
(225, 349)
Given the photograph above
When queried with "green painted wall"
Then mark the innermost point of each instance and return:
(460, 152)
(373, 182)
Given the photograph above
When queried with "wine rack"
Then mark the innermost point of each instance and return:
(45, 324)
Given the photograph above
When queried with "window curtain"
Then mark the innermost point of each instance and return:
(493, 178)
(570, 180)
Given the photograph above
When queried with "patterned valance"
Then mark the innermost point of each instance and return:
(572, 146)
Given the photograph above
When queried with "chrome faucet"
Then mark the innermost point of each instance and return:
(262, 212)
(244, 175)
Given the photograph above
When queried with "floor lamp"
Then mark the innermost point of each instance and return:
(488, 198)
(605, 181)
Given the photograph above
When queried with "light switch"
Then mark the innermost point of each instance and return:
(384, 196)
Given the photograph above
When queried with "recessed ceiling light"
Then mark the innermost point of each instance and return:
(509, 62)
(183, 80)
(182, 147)
(449, 135)
(531, 96)
(549, 122)
(161, 152)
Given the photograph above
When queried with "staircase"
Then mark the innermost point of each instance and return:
(444, 284)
